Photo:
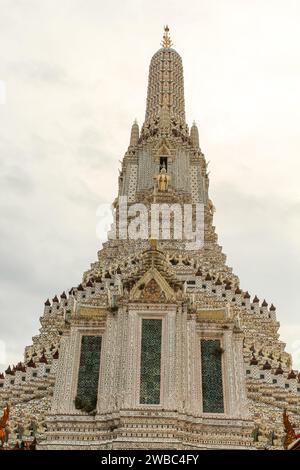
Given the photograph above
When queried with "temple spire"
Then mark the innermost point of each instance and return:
(165, 83)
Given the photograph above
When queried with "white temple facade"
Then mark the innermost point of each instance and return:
(159, 347)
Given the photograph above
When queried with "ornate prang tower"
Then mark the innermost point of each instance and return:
(159, 347)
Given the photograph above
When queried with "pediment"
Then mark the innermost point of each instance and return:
(152, 287)
(163, 148)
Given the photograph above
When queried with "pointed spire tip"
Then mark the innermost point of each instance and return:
(166, 41)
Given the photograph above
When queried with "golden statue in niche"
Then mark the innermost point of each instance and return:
(163, 180)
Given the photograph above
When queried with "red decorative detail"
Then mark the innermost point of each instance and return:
(43, 359)
(31, 364)
(253, 361)
(267, 366)
(55, 355)
(292, 375)
(9, 371)
(279, 370)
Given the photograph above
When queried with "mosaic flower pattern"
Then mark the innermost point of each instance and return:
(212, 383)
(150, 361)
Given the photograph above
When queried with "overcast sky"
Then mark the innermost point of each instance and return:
(75, 74)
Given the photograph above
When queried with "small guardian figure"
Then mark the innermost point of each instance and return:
(211, 207)
(3, 421)
(7, 434)
(255, 433)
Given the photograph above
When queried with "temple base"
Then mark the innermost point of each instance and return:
(134, 429)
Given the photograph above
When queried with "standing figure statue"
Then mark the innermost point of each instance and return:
(7, 434)
(271, 438)
(33, 427)
(255, 433)
(20, 431)
(163, 180)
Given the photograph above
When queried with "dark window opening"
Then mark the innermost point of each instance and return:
(212, 381)
(163, 163)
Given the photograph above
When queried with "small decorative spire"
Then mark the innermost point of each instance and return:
(166, 42)
(194, 134)
(134, 136)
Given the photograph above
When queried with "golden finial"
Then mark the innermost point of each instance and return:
(166, 42)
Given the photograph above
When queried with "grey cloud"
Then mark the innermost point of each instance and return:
(38, 71)
(17, 180)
